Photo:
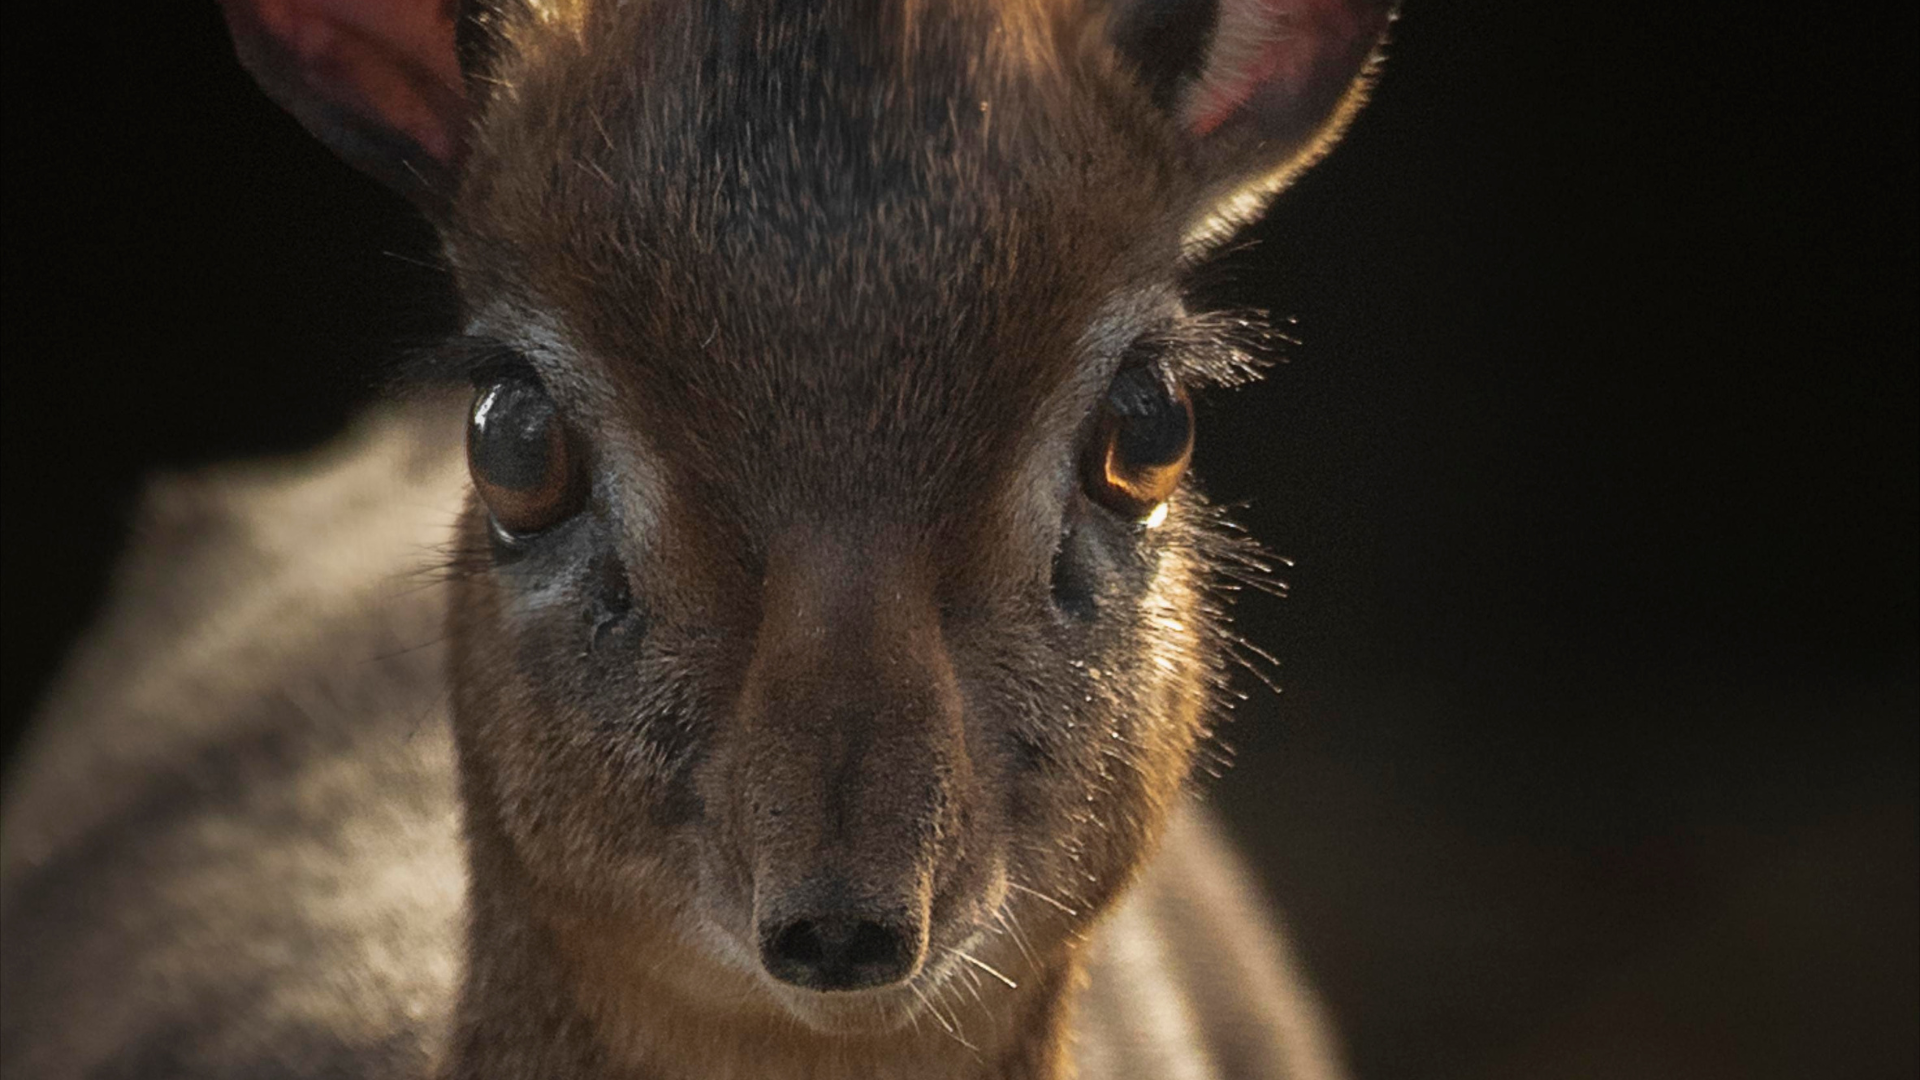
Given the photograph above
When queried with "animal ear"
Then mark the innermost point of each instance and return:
(1259, 89)
(377, 80)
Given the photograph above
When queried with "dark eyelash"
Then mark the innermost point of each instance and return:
(462, 358)
(504, 365)
(457, 559)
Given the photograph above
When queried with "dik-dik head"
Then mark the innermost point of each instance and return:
(834, 599)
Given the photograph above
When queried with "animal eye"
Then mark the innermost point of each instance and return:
(1141, 443)
(523, 463)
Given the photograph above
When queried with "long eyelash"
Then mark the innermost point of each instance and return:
(454, 359)
(1227, 347)
(457, 559)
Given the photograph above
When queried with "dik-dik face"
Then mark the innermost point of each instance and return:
(833, 599)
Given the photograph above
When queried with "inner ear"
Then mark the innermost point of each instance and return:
(1257, 88)
(1281, 67)
(378, 81)
(1166, 40)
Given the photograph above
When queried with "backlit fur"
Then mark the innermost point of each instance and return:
(829, 296)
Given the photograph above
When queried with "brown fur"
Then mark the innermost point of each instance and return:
(232, 850)
(827, 295)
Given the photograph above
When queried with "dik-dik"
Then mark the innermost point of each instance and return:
(797, 667)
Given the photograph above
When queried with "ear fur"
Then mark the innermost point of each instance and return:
(1260, 89)
(378, 81)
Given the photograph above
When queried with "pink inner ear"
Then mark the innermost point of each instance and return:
(393, 60)
(1272, 48)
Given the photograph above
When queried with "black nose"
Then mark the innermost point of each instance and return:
(837, 952)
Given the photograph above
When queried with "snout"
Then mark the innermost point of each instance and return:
(845, 874)
(852, 769)
(835, 943)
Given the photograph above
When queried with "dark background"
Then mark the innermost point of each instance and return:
(1597, 756)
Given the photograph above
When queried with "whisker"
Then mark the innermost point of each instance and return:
(913, 1018)
(917, 992)
(404, 650)
(953, 1010)
(986, 967)
(1042, 897)
(973, 987)
(1010, 923)
(953, 1032)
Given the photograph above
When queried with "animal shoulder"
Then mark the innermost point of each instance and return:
(231, 848)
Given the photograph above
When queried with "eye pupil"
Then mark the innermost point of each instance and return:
(1153, 429)
(512, 424)
(518, 453)
(1142, 443)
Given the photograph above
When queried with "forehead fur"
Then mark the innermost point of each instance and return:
(882, 218)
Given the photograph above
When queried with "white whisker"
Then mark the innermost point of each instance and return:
(1010, 923)
(1043, 897)
(986, 967)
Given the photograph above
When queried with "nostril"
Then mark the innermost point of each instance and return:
(873, 944)
(800, 943)
(837, 953)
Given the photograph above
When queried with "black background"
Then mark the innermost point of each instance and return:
(1597, 756)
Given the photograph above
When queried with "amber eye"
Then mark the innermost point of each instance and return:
(521, 460)
(1141, 443)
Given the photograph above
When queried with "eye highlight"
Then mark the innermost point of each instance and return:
(1141, 443)
(522, 461)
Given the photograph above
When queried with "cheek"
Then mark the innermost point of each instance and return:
(723, 867)
(1100, 746)
(584, 759)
